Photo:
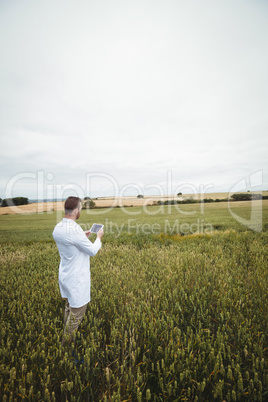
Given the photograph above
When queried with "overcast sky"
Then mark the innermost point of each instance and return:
(124, 96)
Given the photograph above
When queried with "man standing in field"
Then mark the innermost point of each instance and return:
(75, 250)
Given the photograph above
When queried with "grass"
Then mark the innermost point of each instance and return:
(136, 220)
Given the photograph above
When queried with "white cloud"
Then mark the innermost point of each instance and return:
(134, 89)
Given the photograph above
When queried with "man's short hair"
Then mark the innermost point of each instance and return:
(71, 203)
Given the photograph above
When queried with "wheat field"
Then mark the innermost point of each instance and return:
(109, 202)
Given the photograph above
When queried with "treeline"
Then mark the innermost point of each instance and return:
(9, 202)
(248, 197)
(234, 197)
(88, 203)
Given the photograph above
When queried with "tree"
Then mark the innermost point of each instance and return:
(10, 202)
(241, 197)
(88, 203)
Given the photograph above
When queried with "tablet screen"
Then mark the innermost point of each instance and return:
(95, 227)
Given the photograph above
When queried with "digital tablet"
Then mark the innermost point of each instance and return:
(95, 227)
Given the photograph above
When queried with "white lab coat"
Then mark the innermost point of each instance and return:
(75, 250)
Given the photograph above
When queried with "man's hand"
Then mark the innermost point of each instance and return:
(87, 232)
(100, 233)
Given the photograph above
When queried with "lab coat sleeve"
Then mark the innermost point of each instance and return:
(83, 244)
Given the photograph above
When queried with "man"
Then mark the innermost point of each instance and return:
(75, 250)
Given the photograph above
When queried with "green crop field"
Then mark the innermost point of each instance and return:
(178, 311)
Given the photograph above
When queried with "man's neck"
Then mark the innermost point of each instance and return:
(72, 217)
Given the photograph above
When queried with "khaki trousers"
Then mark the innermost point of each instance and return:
(72, 319)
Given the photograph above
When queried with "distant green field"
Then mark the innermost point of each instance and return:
(183, 219)
(178, 311)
